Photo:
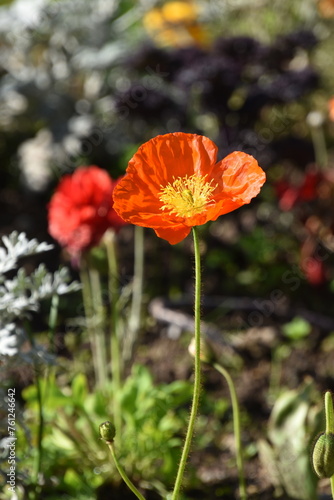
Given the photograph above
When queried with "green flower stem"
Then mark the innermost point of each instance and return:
(329, 413)
(89, 314)
(116, 363)
(98, 325)
(37, 466)
(53, 320)
(40, 431)
(122, 472)
(319, 145)
(137, 290)
(329, 425)
(236, 426)
(197, 379)
(42, 396)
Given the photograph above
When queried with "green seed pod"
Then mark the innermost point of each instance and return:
(323, 455)
(107, 431)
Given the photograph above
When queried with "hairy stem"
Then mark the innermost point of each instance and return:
(197, 368)
(122, 472)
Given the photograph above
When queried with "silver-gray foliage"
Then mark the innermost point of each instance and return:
(17, 245)
(22, 294)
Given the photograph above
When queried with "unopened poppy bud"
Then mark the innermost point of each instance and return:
(206, 353)
(107, 431)
(323, 455)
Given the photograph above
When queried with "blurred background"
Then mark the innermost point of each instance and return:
(87, 84)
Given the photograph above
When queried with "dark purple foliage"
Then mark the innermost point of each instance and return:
(235, 79)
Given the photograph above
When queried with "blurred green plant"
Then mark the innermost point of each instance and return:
(285, 454)
(148, 446)
(323, 449)
(296, 333)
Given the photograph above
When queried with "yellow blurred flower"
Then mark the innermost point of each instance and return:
(175, 24)
(331, 109)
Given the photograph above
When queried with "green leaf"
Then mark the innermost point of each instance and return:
(297, 329)
(79, 388)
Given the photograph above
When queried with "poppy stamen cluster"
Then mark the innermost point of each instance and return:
(187, 196)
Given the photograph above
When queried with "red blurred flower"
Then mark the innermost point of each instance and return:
(81, 209)
(315, 271)
(311, 260)
(312, 266)
(287, 194)
(173, 183)
(309, 189)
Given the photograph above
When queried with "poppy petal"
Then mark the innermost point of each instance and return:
(135, 202)
(173, 234)
(162, 159)
(239, 177)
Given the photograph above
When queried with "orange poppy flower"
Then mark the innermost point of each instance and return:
(173, 183)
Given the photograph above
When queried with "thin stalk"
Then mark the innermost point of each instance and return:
(332, 486)
(236, 428)
(42, 397)
(37, 467)
(95, 286)
(52, 323)
(40, 430)
(89, 314)
(329, 425)
(116, 366)
(197, 369)
(276, 371)
(329, 413)
(53, 320)
(137, 289)
(122, 472)
(319, 146)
